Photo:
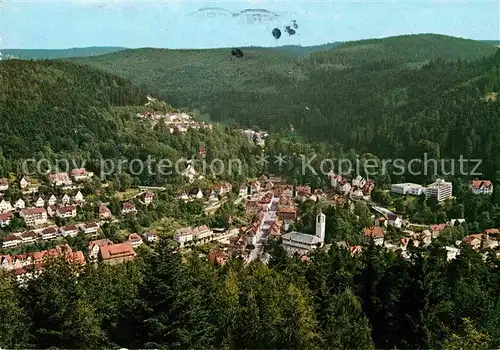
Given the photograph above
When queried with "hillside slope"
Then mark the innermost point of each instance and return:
(361, 94)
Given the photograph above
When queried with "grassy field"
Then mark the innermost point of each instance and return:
(126, 195)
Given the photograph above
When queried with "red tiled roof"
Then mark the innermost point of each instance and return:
(477, 184)
(100, 242)
(10, 238)
(375, 232)
(438, 228)
(80, 171)
(128, 205)
(120, 250)
(492, 231)
(31, 211)
(5, 216)
(134, 237)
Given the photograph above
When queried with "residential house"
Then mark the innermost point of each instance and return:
(202, 234)
(356, 192)
(183, 235)
(67, 211)
(51, 210)
(368, 187)
(24, 182)
(302, 190)
(344, 186)
(70, 230)
(90, 228)
(5, 219)
(78, 198)
(394, 220)
(5, 206)
(223, 188)
(287, 214)
(128, 208)
(4, 184)
(196, 193)
(482, 186)
(243, 192)
(355, 250)
(116, 253)
(20, 204)
(34, 216)
(358, 182)
(285, 202)
(94, 247)
(81, 174)
(28, 237)
(104, 212)
(66, 199)
(436, 230)
(59, 179)
(255, 187)
(375, 232)
(183, 196)
(452, 253)
(252, 207)
(217, 257)
(40, 203)
(134, 240)
(474, 240)
(151, 236)
(49, 233)
(11, 241)
(52, 200)
(283, 190)
(149, 196)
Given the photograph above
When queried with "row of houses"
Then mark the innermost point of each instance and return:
(187, 236)
(49, 233)
(20, 204)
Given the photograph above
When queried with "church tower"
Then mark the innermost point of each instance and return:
(320, 226)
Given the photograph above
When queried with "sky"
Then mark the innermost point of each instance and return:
(38, 24)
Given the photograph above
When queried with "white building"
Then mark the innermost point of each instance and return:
(441, 190)
(4, 184)
(39, 202)
(34, 216)
(5, 206)
(408, 188)
(302, 243)
(52, 200)
(20, 204)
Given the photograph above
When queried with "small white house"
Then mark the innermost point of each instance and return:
(78, 198)
(39, 202)
(5, 206)
(20, 204)
(52, 200)
(394, 220)
(243, 191)
(66, 199)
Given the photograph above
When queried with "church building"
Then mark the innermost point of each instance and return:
(303, 243)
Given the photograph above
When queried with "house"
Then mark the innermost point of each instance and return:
(128, 208)
(4, 184)
(59, 179)
(344, 186)
(104, 212)
(252, 207)
(183, 196)
(34, 216)
(71, 231)
(285, 202)
(473, 240)
(20, 204)
(116, 253)
(78, 198)
(40, 203)
(223, 188)
(202, 233)
(287, 214)
(24, 182)
(255, 187)
(49, 233)
(67, 211)
(243, 192)
(5, 219)
(5, 206)
(358, 181)
(134, 240)
(355, 250)
(51, 210)
(81, 174)
(52, 200)
(452, 253)
(375, 232)
(436, 230)
(482, 186)
(394, 220)
(217, 257)
(368, 187)
(89, 228)
(151, 236)
(28, 237)
(149, 196)
(183, 235)
(94, 247)
(356, 192)
(196, 193)
(302, 190)
(65, 199)
(11, 241)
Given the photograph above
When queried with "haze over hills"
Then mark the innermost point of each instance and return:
(53, 54)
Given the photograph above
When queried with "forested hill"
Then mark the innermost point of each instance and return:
(28, 54)
(362, 94)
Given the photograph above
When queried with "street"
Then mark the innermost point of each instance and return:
(269, 217)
